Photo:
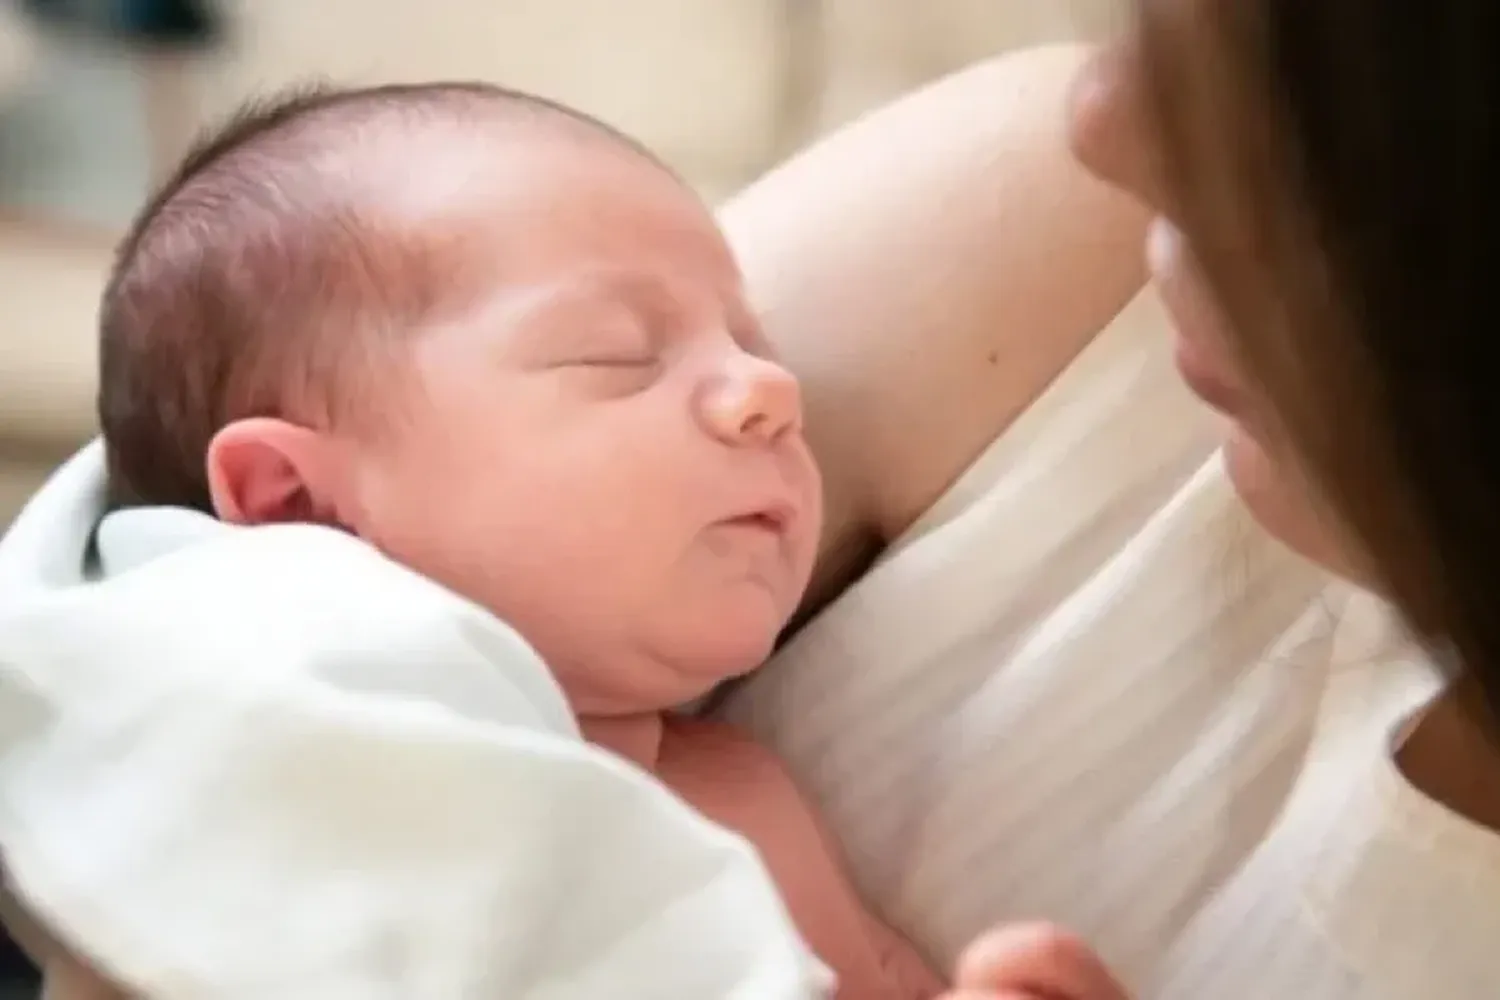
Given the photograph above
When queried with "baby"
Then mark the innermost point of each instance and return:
(508, 348)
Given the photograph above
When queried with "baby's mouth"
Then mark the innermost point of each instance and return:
(773, 519)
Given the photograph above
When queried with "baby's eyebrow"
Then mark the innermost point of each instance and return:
(574, 312)
(642, 293)
(611, 293)
(569, 292)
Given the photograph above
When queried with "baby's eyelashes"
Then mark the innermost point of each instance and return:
(614, 361)
(613, 374)
(577, 330)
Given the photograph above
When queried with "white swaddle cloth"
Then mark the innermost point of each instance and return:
(271, 763)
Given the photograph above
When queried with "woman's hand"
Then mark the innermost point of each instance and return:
(1032, 962)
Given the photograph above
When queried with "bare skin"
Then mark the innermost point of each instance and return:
(926, 304)
(923, 305)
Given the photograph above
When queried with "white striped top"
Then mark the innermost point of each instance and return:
(1086, 688)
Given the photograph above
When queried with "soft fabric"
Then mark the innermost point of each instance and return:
(270, 763)
(1087, 688)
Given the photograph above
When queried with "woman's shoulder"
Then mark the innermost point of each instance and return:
(927, 271)
(1363, 887)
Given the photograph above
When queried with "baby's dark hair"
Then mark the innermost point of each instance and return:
(253, 284)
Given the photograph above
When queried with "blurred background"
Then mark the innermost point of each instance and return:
(98, 97)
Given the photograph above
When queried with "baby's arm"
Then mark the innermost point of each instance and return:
(903, 965)
(1035, 961)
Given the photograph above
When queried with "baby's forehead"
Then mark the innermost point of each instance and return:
(605, 219)
(434, 215)
(514, 189)
(443, 167)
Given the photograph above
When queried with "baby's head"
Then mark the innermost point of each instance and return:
(493, 338)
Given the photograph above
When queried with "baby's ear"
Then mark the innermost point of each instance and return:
(262, 470)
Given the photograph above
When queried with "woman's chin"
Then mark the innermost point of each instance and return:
(1279, 504)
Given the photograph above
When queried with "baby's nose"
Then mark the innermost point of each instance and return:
(754, 401)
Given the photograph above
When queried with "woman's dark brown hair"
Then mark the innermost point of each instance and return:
(1336, 165)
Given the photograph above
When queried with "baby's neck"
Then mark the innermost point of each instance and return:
(637, 738)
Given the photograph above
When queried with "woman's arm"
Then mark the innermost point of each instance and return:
(928, 271)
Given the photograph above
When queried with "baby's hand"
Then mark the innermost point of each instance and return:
(1032, 962)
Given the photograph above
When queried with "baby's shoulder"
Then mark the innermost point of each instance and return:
(715, 749)
(730, 777)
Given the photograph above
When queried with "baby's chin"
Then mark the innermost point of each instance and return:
(702, 665)
(730, 635)
(677, 671)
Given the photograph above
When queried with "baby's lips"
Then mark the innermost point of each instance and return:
(777, 515)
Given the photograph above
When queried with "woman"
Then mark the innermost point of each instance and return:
(1323, 178)
(1319, 175)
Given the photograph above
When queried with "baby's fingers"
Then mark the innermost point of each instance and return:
(1035, 960)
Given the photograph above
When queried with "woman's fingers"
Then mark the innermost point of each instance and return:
(1035, 960)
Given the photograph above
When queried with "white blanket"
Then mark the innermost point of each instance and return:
(270, 763)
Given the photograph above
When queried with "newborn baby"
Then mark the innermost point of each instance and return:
(508, 348)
